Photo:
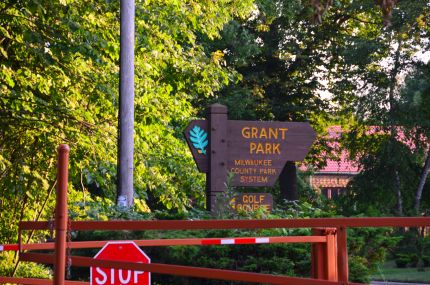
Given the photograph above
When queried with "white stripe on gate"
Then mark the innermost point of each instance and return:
(227, 241)
(1, 248)
(262, 240)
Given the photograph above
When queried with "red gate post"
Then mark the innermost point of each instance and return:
(331, 255)
(342, 255)
(324, 255)
(61, 214)
(317, 253)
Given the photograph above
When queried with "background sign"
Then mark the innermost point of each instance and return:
(120, 251)
(252, 201)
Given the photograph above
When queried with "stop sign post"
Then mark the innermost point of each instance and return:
(120, 251)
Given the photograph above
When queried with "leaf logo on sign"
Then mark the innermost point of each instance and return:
(199, 139)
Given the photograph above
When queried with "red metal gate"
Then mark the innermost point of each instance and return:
(329, 243)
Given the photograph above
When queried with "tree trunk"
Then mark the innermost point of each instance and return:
(423, 178)
(399, 194)
(288, 182)
(392, 123)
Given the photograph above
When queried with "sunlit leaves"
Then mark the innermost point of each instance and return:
(59, 82)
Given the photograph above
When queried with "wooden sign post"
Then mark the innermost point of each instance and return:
(254, 151)
(217, 175)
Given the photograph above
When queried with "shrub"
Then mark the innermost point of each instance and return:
(426, 260)
(402, 262)
(358, 269)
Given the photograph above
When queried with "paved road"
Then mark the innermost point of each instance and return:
(394, 283)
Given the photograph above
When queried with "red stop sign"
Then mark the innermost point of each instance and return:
(120, 251)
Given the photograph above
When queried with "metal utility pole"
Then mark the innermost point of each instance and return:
(126, 106)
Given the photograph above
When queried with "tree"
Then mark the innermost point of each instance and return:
(414, 113)
(276, 51)
(287, 62)
(58, 82)
(53, 91)
(373, 61)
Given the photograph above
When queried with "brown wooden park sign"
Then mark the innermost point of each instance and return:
(254, 151)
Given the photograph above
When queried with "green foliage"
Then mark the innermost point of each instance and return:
(380, 157)
(368, 248)
(58, 86)
(402, 260)
(412, 250)
(358, 270)
(25, 270)
(263, 49)
(59, 82)
(371, 61)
